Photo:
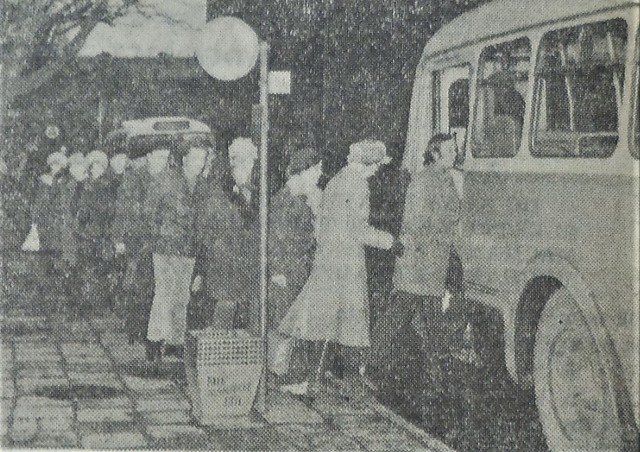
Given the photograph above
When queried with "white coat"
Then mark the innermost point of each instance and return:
(333, 304)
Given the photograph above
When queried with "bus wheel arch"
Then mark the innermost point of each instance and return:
(564, 352)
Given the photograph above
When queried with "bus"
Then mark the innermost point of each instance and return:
(543, 95)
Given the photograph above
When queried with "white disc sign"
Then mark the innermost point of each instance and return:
(228, 48)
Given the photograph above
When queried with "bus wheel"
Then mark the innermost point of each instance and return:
(573, 383)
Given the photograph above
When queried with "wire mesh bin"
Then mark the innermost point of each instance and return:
(223, 370)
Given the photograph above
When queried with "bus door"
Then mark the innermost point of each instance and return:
(451, 103)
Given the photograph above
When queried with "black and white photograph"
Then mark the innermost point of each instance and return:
(320, 225)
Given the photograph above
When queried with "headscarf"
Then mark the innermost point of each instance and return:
(368, 152)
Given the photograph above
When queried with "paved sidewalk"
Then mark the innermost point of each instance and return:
(80, 384)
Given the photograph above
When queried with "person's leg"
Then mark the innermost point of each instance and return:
(224, 314)
(397, 317)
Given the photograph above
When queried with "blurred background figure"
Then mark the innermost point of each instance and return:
(129, 231)
(47, 214)
(95, 212)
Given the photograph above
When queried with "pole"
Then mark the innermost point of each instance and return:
(264, 205)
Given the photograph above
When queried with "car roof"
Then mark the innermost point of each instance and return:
(159, 125)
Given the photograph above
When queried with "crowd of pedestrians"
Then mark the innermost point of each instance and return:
(169, 240)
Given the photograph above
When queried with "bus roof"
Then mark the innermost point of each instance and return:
(505, 16)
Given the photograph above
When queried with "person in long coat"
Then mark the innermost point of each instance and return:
(333, 305)
(227, 265)
(428, 231)
(169, 209)
(129, 230)
(291, 242)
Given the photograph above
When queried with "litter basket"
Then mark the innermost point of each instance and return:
(223, 370)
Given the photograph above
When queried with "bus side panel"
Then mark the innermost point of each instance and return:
(587, 220)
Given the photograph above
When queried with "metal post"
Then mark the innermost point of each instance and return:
(264, 205)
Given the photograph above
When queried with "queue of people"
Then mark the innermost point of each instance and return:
(170, 241)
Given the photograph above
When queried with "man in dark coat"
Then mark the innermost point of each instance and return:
(227, 262)
(428, 231)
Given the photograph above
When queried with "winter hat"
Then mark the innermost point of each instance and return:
(245, 147)
(97, 157)
(368, 152)
(77, 159)
(57, 157)
(302, 159)
(118, 163)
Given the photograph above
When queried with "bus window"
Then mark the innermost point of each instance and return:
(579, 80)
(459, 104)
(500, 106)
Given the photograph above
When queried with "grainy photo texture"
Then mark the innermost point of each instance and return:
(320, 225)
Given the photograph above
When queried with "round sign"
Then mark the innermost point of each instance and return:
(228, 48)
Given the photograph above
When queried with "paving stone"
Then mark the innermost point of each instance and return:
(167, 417)
(162, 404)
(8, 389)
(33, 406)
(82, 349)
(110, 338)
(48, 354)
(53, 440)
(89, 368)
(138, 384)
(284, 409)
(98, 379)
(35, 385)
(40, 370)
(111, 402)
(178, 437)
(105, 415)
(249, 439)
(121, 440)
(316, 437)
(86, 359)
(41, 347)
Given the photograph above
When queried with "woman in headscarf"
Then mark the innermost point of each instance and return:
(333, 305)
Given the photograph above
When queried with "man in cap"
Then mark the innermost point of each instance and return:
(333, 305)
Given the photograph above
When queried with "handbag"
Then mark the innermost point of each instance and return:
(279, 351)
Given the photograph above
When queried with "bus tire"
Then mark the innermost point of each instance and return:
(574, 386)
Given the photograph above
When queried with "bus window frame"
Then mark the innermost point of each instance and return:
(475, 93)
(634, 127)
(534, 108)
